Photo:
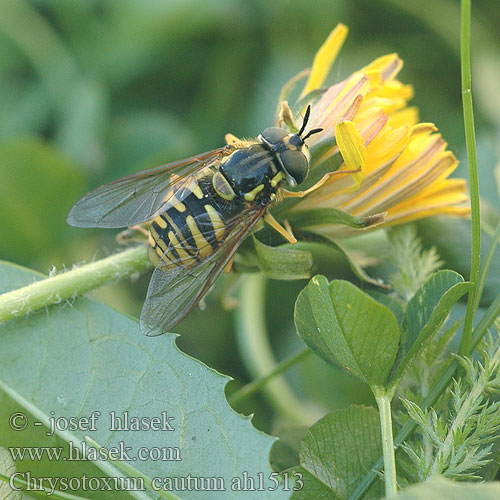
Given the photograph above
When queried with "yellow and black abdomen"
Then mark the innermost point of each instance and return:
(200, 210)
(191, 230)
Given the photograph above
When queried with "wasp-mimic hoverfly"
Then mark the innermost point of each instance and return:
(200, 210)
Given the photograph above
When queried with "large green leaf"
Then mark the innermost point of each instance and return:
(348, 328)
(444, 489)
(75, 359)
(7, 468)
(337, 451)
(425, 313)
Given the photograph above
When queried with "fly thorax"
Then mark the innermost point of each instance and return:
(251, 173)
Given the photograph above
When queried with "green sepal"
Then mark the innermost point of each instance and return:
(309, 98)
(283, 262)
(356, 269)
(328, 216)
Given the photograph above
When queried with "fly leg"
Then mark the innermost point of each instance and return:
(133, 233)
(229, 265)
(286, 232)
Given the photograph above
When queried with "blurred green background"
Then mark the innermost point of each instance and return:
(94, 90)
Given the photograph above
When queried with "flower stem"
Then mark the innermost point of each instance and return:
(69, 284)
(384, 406)
(257, 384)
(470, 141)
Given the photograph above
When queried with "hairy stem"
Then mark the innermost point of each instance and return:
(69, 284)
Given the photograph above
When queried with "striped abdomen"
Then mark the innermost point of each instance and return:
(191, 230)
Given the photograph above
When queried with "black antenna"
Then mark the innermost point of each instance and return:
(311, 132)
(306, 119)
(304, 123)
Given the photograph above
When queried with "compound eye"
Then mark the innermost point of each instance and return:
(296, 164)
(272, 135)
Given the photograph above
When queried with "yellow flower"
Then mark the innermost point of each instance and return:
(404, 164)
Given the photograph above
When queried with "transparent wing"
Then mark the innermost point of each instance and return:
(136, 198)
(173, 293)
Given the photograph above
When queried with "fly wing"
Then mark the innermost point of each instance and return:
(138, 197)
(173, 293)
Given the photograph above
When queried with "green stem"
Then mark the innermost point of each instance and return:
(470, 141)
(257, 354)
(257, 384)
(384, 406)
(69, 284)
(482, 327)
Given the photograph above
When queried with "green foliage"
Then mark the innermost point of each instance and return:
(348, 328)
(443, 489)
(93, 91)
(7, 468)
(462, 434)
(451, 237)
(348, 255)
(414, 264)
(352, 330)
(109, 366)
(329, 471)
(283, 263)
(328, 216)
(425, 313)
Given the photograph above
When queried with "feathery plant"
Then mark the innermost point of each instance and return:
(414, 264)
(463, 431)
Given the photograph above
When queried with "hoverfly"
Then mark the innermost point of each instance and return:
(199, 211)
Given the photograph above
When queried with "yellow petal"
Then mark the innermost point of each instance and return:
(394, 90)
(449, 197)
(352, 147)
(324, 58)
(388, 66)
(423, 128)
(388, 145)
(407, 116)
